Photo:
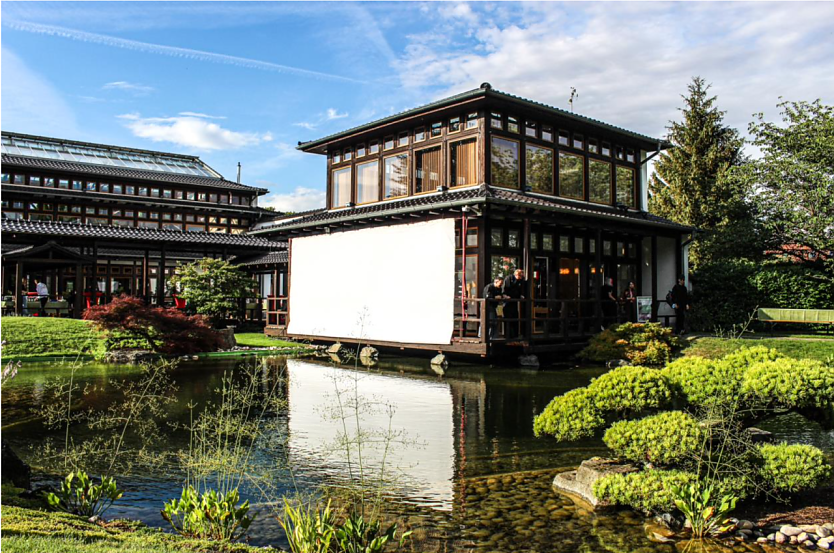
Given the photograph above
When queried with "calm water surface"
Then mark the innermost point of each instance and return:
(469, 474)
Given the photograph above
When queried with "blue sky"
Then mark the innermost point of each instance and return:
(246, 81)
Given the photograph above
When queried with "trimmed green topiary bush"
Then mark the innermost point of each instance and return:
(569, 417)
(630, 390)
(789, 383)
(793, 468)
(649, 490)
(663, 439)
(640, 343)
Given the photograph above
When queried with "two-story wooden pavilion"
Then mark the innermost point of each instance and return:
(426, 207)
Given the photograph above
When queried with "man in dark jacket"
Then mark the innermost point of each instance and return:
(680, 303)
(514, 287)
(493, 292)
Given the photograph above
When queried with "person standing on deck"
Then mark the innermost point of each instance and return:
(43, 296)
(680, 303)
(629, 299)
(609, 302)
(514, 287)
(493, 292)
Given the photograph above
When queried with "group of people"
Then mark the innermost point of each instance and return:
(512, 288)
(41, 293)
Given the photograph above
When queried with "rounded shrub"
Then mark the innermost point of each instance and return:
(569, 417)
(665, 438)
(639, 343)
(793, 468)
(630, 390)
(789, 383)
(743, 358)
(648, 491)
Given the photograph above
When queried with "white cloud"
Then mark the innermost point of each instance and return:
(300, 199)
(191, 130)
(31, 103)
(202, 115)
(306, 125)
(333, 113)
(127, 86)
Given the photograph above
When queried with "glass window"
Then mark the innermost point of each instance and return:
(547, 242)
(564, 138)
(428, 170)
(373, 147)
(91, 186)
(64, 208)
(503, 266)
(606, 149)
(630, 156)
(201, 218)
(336, 157)
(593, 146)
(75, 209)
(420, 134)
(348, 153)
(6, 178)
(117, 188)
(76, 185)
(155, 193)
(571, 178)
(35, 181)
(530, 129)
(512, 124)
(49, 181)
(564, 244)
(129, 189)
(463, 163)
(142, 214)
(360, 150)
(625, 186)
(88, 210)
(454, 124)
(436, 129)
(367, 182)
(177, 216)
(188, 195)
(201, 196)
(578, 142)
(472, 120)
(578, 245)
(599, 176)
(619, 153)
(396, 176)
(102, 211)
(534, 241)
(143, 191)
(495, 120)
(539, 169)
(606, 247)
(504, 162)
(170, 193)
(96, 221)
(171, 226)
(340, 195)
(547, 133)
(63, 183)
(496, 237)
(189, 217)
(154, 214)
(145, 224)
(513, 239)
(389, 143)
(402, 139)
(19, 179)
(195, 228)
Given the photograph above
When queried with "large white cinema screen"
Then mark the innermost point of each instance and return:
(392, 284)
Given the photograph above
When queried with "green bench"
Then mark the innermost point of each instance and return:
(804, 316)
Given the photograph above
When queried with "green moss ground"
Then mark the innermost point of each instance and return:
(32, 337)
(798, 348)
(259, 340)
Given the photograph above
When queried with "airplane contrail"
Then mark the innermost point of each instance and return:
(173, 51)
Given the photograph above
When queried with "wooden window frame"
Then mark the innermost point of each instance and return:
(552, 169)
(513, 120)
(420, 130)
(404, 135)
(442, 173)
(563, 133)
(633, 204)
(451, 144)
(550, 131)
(471, 122)
(449, 125)
(385, 147)
(356, 179)
(407, 175)
(576, 137)
(360, 147)
(611, 182)
(582, 172)
(534, 128)
(333, 172)
(496, 117)
(436, 125)
(373, 144)
(518, 160)
(593, 143)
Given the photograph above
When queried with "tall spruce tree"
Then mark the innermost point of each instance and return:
(691, 182)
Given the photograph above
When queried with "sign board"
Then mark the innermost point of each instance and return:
(644, 309)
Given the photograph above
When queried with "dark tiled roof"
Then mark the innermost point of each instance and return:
(484, 91)
(123, 172)
(475, 195)
(271, 258)
(57, 229)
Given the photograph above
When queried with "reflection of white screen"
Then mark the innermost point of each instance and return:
(393, 284)
(422, 410)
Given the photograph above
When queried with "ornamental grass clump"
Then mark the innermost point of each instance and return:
(689, 425)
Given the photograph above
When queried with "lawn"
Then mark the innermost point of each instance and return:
(27, 529)
(260, 340)
(798, 348)
(26, 337)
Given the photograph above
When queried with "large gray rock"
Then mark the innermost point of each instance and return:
(226, 338)
(14, 470)
(528, 361)
(580, 482)
(130, 356)
(369, 356)
(335, 348)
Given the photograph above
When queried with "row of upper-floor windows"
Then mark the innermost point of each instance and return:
(509, 238)
(606, 182)
(418, 135)
(127, 189)
(399, 175)
(68, 213)
(565, 138)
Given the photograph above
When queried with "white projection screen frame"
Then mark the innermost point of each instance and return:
(387, 284)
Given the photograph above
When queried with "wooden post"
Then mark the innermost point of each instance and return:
(108, 288)
(79, 290)
(654, 278)
(18, 288)
(526, 307)
(160, 278)
(598, 280)
(145, 269)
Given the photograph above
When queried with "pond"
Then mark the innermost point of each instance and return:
(466, 470)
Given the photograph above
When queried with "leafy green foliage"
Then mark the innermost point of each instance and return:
(49, 336)
(794, 177)
(630, 390)
(793, 468)
(664, 439)
(308, 528)
(213, 287)
(649, 490)
(819, 349)
(704, 508)
(569, 417)
(690, 184)
(639, 343)
(79, 495)
(356, 535)
(208, 515)
(790, 383)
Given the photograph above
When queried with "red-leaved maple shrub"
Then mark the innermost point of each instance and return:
(166, 330)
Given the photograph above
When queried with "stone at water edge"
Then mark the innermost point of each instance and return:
(369, 356)
(334, 348)
(789, 530)
(826, 543)
(781, 538)
(528, 361)
(822, 531)
(580, 482)
(616, 363)
(440, 360)
(227, 338)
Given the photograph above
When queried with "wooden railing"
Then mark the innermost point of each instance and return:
(276, 311)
